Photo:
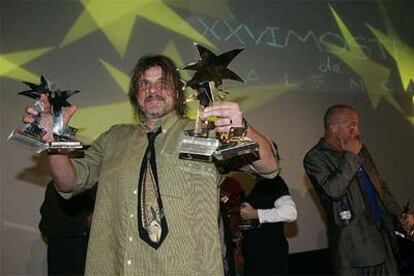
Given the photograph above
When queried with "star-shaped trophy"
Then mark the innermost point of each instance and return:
(31, 136)
(202, 143)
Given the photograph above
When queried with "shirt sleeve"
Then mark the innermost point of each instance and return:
(284, 211)
(271, 174)
(88, 167)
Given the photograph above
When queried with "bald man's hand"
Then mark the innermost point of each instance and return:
(352, 145)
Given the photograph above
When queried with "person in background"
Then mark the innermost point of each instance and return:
(267, 207)
(361, 211)
(231, 193)
(65, 224)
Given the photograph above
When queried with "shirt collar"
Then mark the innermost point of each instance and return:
(166, 122)
(325, 145)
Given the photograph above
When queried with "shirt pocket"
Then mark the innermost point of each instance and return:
(175, 179)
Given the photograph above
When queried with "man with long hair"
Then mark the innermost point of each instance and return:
(154, 213)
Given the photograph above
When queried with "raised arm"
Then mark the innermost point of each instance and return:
(268, 162)
(61, 167)
(330, 178)
(230, 115)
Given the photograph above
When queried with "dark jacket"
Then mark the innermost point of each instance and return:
(265, 248)
(66, 218)
(357, 241)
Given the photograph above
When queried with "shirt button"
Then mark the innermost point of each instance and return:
(130, 239)
(129, 262)
(135, 192)
(164, 131)
(131, 215)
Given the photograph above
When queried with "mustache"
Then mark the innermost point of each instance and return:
(154, 97)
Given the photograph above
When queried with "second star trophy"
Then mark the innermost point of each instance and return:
(202, 143)
(31, 136)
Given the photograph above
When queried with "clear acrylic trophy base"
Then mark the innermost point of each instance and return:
(212, 150)
(27, 140)
(198, 148)
(236, 148)
(33, 143)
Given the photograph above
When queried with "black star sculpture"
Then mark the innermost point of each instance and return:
(212, 67)
(57, 98)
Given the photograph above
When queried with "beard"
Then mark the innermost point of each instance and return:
(155, 106)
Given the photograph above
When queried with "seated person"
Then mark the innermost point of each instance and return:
(264, 245)
(230, 195)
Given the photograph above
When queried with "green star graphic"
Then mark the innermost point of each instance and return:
(401, 53)
(116, 20)
(373, 74)
(11, 64)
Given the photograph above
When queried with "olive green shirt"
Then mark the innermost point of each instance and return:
(189, 192)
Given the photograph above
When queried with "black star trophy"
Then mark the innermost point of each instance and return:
(202, 143)
(31, 136)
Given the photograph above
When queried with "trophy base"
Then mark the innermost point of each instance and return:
(198, 148)
(33, 143)
(65, 145)
(239, 148)
(212, 150)
(28, 141)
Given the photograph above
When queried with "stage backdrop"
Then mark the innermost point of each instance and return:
(300, 57)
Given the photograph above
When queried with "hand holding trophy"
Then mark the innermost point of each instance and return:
(46, 124)
(405, 224)
(202, 144)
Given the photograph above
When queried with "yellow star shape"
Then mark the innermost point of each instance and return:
(215, 9)
(11, 64)
(116, 19)
(373, 74)
(401, 53)
(92, 121)
(252, 97)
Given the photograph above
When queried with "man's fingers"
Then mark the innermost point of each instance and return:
(30, 115)
(68, 113)
(222, 105)
(223, 129)
(45, 103)
(27, 119)
(31, 111)
(407, 219)
(217, 112)
(224, 110)
(223, 122)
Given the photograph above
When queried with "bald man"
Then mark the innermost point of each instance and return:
(361, 211)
